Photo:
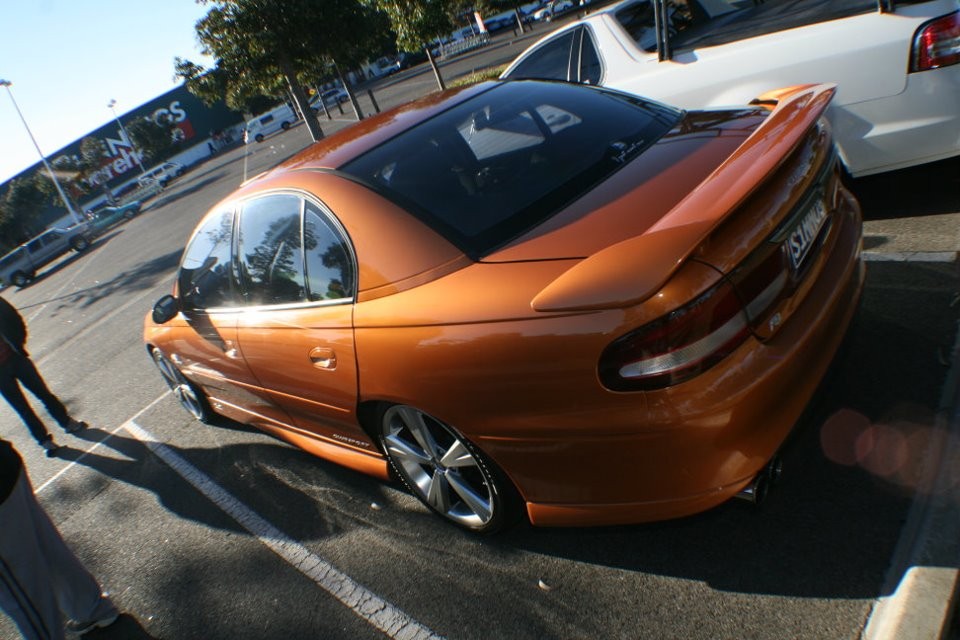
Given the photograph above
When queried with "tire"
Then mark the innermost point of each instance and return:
(258, 137)
(285, 125)
(453, 479)
(79, 244)
(20, 279)
(188, 394)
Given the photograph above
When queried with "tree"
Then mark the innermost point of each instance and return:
(268, 47)
(21, 206)
(417, 23)
(153, 139)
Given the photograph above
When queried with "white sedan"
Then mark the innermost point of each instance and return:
(552, 9)
(897, 69)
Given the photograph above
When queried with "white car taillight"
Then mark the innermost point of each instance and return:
(936, 44)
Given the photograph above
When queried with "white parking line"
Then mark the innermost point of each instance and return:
(910, 256)
(361, 601)
(364, 603)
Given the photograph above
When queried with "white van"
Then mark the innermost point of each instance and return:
(258, 128)
(160, 174)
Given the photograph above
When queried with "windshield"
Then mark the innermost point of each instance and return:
(493, 167)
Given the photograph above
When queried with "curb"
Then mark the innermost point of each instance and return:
(924, 576)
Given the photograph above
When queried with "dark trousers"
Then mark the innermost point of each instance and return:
(20, 370)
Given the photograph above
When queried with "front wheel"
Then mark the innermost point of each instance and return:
(20, 279)
(446, 472)
(79, 244)
(189, 396)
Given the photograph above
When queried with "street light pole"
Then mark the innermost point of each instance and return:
(53, 176)
(139, 156)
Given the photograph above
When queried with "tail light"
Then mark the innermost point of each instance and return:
(936, 44)
(678, 346)
(762, 282)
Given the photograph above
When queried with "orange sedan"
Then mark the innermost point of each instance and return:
(530, 297)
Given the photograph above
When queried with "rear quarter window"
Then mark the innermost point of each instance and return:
(699, 23)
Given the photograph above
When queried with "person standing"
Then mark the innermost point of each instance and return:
(41, 580)
(16, 368)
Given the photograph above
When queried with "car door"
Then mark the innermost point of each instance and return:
(43, 248)
(206, 349)
(299, 278)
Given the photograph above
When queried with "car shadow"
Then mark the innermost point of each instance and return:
(143, 277)
(266, 475)
(928, 189)
(171, 195)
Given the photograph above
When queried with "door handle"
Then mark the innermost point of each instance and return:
(230, 350)
(323, 358)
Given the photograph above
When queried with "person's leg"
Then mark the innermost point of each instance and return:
(10, 390)
(29, 377)
(26, 592)
(79, 596)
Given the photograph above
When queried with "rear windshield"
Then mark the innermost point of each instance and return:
(705, 23)
(494, 166)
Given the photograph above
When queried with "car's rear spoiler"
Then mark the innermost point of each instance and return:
(632, 270)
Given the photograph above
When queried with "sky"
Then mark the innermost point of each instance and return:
(68, 58)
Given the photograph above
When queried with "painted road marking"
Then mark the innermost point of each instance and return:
(361, 601)
(910, 256)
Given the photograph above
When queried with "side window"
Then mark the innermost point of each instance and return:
(591, 68)
(638, 20)
(550, 62)
(330, 272)
(206, 278)
(270, 251)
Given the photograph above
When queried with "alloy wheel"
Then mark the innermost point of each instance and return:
(445, 471)
(183, 390)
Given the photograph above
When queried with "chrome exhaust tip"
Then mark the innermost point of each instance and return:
(758, 488)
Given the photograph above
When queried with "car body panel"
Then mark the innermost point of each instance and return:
(305, 359)
(109, 216)
(884, 117)
(464, 339)
(654, 255)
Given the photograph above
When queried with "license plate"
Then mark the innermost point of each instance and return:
(803, 235)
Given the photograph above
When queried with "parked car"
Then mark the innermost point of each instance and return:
(106, 217)
(21, 265)
(407, 59)
(897, 73)
(553, 9)
(277, 119)
(161, 174)
(530, 297)
(329, 97)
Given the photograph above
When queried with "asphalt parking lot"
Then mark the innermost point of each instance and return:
(225, 532)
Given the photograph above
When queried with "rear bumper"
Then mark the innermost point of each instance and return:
(919, 125)
(702, 443)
